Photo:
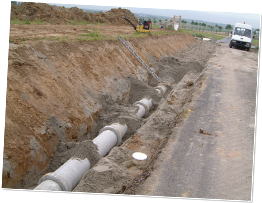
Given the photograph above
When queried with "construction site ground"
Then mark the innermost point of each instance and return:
(19, 33)
(66, 82)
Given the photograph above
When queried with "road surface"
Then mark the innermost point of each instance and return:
(211, 154)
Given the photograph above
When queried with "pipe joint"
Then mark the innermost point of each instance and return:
(57, 179)
(68, 175)
(118, 129)
(146, 103)
(161, 89)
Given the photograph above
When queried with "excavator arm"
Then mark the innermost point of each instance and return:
(130, 22)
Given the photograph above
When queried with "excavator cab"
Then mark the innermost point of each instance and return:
(146, 26)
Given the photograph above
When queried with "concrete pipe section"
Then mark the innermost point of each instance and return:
(70, 173)
(108, 137)
(161, 89)
(66, 177)
(144, 106)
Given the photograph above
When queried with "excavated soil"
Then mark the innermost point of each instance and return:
(30, 11)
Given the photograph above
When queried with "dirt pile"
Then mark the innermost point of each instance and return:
(61, 15)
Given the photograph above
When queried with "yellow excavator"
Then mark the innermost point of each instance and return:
(141, 27)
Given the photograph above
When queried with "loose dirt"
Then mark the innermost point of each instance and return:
(42, 12)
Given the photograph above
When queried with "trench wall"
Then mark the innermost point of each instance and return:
(54, 89)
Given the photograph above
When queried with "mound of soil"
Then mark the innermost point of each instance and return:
(60, 15)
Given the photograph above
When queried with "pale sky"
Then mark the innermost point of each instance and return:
(209, 16)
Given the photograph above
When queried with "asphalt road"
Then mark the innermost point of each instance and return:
(211, 155)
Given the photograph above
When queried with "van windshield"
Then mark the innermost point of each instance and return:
(242, 32)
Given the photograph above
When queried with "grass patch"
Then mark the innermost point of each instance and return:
(38, 22)
(185, 113)
(93, 36)
(28, 22)
(256, 41)
(94, 33)
(204, 34)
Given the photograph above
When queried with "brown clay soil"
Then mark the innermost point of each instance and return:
(60, 92)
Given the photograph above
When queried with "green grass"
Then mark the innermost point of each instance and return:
(185, 113)
(94, 33)
(204, 34)
(256, 41)
(22, 22)
(76, 22)
(91, 36)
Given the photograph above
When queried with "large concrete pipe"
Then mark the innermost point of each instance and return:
(49, 185)
(66, 177)
(108, 137)
(161, 89)
(144, 106)
(70, 173)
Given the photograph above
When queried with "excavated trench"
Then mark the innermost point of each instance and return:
(118, 172)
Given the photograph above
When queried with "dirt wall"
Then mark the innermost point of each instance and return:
(54, 94)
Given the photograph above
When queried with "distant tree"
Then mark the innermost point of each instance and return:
(196, 23)
(183, 22)
(203, 25)
(160, 21)
(16, 2)
(211, 28)
(220, 28)
(192, 23)
(216, 26)
(256, 31)
(154, 22)
(228, 27)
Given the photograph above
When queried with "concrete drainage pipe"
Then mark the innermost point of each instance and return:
(109, 136)
(144, 107)
(70, 173)
(161, 89)
(66, 177)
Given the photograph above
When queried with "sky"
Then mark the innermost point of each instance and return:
(204, 13)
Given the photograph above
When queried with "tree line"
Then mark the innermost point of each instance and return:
(194, 24)
(202, 26)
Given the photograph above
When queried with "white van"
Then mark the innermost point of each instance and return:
(241, 36)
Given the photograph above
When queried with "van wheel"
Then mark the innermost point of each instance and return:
(248, 49)
(230, 45)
